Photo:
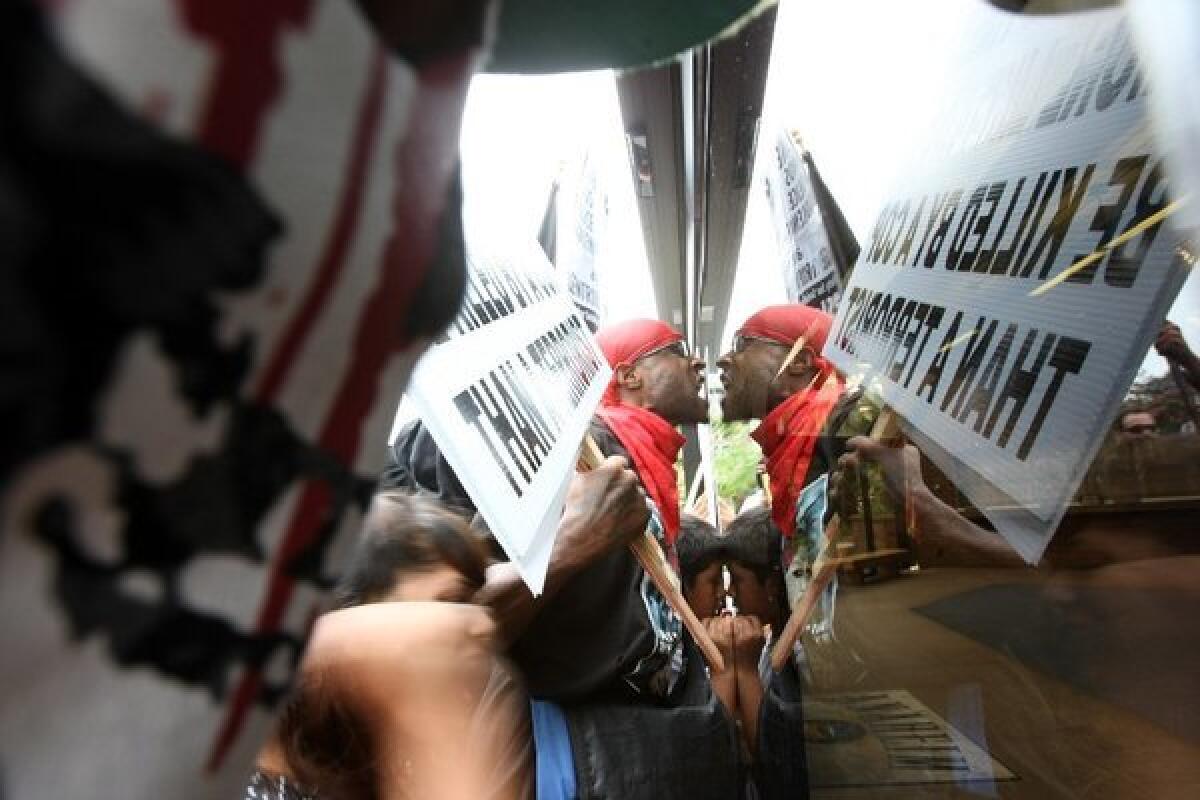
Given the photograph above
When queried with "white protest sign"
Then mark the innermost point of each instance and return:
(978, 309)
(809, 268)
(508, 397)
(583, 219)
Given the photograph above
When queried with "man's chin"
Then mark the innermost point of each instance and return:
(730, 412)
(696, 416)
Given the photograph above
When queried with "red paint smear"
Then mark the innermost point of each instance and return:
(425, 162)
(156, 106)
(248, 77)
(333, 260)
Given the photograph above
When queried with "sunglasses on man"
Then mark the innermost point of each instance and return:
(741, 341)
(679, 348)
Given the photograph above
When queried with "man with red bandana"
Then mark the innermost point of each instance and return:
(607, 655)
(656, 385)
(636, 643)
(775, 373)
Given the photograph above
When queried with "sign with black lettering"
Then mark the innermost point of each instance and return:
(1016, 277)
(806, 256)
(508, 394)
(889, 738)
(583, 217)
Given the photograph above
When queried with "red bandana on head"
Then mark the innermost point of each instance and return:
(625, 342)
(652, 442)
(789, 433)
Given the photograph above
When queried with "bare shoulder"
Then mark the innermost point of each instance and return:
(392, 642)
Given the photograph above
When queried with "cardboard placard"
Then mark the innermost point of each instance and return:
(810, 274)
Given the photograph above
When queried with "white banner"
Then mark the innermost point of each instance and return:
(809, 268)
(1015, 279)
(508, 397)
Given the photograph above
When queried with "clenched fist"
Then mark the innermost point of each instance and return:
(605, 509)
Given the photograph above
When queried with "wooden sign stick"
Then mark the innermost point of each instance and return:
(824, 567)
(651, 557)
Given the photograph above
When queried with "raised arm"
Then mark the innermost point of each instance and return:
(942, 534)
(605, 509)
(1171, 345)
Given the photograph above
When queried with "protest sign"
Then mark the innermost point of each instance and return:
(583, 217)
(508, 395)
(889, 738)
(810, 273)
(1016, 276)
(575, 231)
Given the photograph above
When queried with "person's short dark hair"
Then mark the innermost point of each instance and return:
(698, 546)
(753, 541)
(405, 533)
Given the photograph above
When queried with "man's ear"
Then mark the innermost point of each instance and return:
(628, 377)
(802, 363)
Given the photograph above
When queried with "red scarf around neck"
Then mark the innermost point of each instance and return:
(787, 437)
(653, 444)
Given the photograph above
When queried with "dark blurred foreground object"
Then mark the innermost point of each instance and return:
(539, 36)
(1033, 7)
(545, 36)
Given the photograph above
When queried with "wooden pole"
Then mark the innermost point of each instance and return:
(825, 566)
(645, 548)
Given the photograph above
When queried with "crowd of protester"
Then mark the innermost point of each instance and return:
(595, 689)
(614, 698)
